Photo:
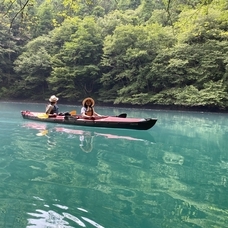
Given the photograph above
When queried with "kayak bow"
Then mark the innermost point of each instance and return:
(106, 121)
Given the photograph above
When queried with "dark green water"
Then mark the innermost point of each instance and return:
(173, 175)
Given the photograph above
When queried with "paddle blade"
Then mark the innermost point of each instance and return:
(42, 133)
(73, 113)
(123, 115)
(42, 116)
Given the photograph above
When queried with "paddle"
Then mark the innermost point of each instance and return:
(73, 113)
(122, 115)
(42, 133)
(45, 116)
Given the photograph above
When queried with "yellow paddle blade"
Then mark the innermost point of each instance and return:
(42, 116)
(42, 133)
(73, 113)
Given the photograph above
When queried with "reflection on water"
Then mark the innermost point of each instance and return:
(86, 142)
(174, 175)
(171, 158)
(86, 137)
(52, 219)
(58, 217)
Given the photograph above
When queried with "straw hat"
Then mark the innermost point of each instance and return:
(53, 98)
(86, 99)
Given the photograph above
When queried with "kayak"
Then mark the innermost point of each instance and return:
(103, 121)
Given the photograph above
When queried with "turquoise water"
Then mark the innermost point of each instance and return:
(173, 175)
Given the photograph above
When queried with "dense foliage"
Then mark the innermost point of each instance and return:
(141, 52)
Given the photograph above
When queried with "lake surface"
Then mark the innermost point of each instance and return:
(173, 175)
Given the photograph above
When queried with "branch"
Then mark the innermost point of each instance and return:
(168, 12)
(21, 10)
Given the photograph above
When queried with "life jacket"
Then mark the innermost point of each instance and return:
(89, 111)
(55, 109)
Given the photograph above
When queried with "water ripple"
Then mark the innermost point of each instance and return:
(41, 218)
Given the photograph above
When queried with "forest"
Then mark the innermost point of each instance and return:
(141, 53)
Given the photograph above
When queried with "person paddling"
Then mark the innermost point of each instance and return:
(52, 108)
(87, 110)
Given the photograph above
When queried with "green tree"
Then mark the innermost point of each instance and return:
(8, 53)
(145, 10)
(126, 59)
(188, 66)
(128, 4)
(33, 66)
(43, 20)
(76, 67)
(116, 18)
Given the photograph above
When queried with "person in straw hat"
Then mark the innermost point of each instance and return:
(87, 110)
(52, 108)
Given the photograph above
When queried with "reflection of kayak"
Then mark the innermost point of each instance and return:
(106, 121)
(117, 135)
(41, 127)
(79, 132)
(37, 126)
(87, 135)
(114, 134)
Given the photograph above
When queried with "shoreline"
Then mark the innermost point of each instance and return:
(146, 107)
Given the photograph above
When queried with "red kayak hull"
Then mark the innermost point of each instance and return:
(106, 122)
